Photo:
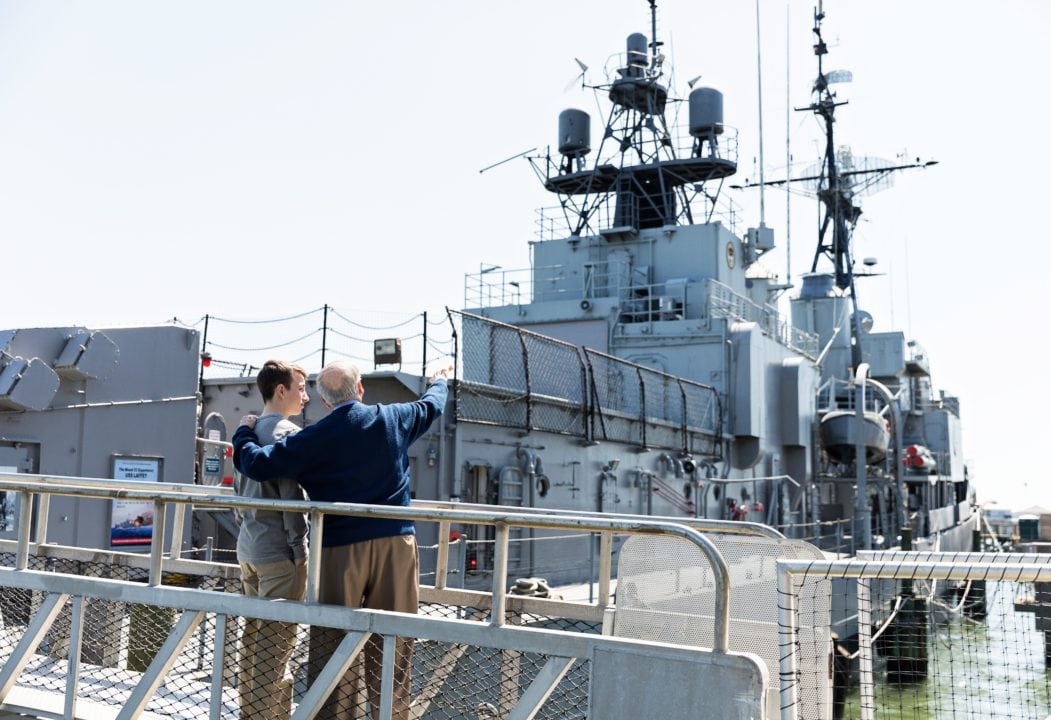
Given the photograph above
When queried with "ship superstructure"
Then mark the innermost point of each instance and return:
(641, 260)
(641, 365)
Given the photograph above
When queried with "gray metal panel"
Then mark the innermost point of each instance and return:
(73, 349)
(885, 353)
(145, 406)
(27, 385)
(633, 683)
(797, 401)
(9, 374)
(87, 355)
(748, 382)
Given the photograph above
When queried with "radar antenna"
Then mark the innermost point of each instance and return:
(638, 177)
(838, 181)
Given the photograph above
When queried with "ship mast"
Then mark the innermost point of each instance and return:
(836, 193)
(837, 187)
(639, 178)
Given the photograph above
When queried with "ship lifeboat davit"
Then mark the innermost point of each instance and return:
(838, 430)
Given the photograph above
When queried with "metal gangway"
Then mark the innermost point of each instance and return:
(110, 634)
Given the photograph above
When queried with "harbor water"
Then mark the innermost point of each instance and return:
(993, 668)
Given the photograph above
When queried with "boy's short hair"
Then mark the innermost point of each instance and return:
(274, 373)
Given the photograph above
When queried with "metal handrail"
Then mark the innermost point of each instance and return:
(728, 527)
(29, 486)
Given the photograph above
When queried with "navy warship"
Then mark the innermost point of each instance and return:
(639, 262)
(646, 363)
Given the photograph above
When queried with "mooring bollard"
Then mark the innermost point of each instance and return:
(905, 641)
(974, 605)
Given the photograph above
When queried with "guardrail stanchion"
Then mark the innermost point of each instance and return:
(25, 522)
(157, 542)
(317, 519)
(178, 523)
(441, 570)
(42, 509)
(500, 575)
(605, 565)
(786, 619)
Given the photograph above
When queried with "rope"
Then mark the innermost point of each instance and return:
(269, 347)
(263, 322)
(347, 337)
(343, 317)
(309, 354)
(882, 628)
(348, 355)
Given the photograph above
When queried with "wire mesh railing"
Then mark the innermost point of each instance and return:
(172, 637)
(224, 659)
(833, 536)
(936, 635)
(514, 378)
(725, 303)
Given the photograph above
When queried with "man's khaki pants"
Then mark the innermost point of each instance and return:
(380, 574)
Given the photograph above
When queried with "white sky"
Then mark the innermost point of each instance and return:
(250, 159)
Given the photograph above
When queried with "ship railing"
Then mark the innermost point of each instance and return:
(724, 302)
(638, 302)
(609, 213)
(654, 302)
(835, 536)
(515, 378)
(600, 213)
(941, 629)
(544, 283)
(839, 394)
(496, 287)
(64, 624)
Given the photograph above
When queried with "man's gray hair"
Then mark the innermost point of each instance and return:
(338, 382)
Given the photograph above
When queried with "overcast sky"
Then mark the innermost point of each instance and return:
(253, 159)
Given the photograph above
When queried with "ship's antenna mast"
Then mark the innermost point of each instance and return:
(759, 73)
(639, 179)
(837, 195)
(654, 45)
(788, 148)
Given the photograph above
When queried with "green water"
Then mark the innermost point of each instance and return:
(990, 669)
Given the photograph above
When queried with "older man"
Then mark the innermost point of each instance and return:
(357, 453)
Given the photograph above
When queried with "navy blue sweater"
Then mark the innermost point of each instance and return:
(357, 453)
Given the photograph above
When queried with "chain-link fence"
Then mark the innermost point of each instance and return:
(925, 636)
(267, 665)
(514, 378)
